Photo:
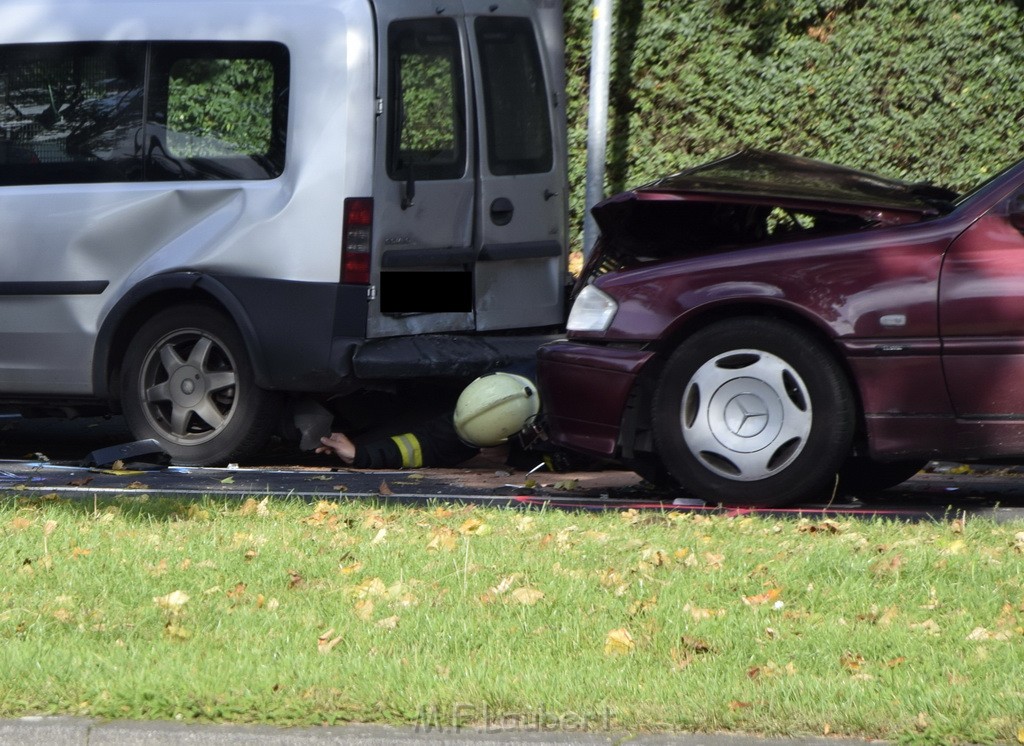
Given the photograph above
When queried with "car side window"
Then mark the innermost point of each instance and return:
(426, 106)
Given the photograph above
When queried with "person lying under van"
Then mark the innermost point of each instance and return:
(489, 411)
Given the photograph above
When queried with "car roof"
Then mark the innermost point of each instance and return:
(764, 174)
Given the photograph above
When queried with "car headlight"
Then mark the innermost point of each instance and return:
(592, 311)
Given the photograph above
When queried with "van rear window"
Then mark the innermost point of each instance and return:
(136, 111)
(519, 139)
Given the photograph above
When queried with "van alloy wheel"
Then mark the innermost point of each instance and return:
(188, 383)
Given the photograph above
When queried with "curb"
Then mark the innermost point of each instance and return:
(71, 731)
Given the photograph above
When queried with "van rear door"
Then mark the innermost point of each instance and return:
(468, 217)
(424, 187)
(520, 205)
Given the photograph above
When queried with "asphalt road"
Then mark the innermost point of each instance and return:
(46, 455)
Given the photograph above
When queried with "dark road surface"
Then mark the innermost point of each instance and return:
(46, 456)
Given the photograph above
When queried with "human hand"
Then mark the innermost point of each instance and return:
(339, 444)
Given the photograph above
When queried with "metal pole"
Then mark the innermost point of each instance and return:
(597, 122)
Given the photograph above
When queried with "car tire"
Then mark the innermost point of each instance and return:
(754, 412)
(863, 477)
(187, 382)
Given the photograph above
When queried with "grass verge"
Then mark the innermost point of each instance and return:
(281, 611)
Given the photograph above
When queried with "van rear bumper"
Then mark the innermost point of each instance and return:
(447, 355)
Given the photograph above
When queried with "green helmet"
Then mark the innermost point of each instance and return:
(495, 407)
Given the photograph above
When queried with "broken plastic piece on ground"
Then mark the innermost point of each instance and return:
(138, 455)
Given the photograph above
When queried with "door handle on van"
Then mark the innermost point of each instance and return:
(502, 210)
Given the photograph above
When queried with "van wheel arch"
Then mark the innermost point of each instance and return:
(150, 297)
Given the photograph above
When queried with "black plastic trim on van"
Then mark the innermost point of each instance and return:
(54, 287)
(526, 250)
(446, 355)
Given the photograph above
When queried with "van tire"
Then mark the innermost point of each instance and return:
(187, 382)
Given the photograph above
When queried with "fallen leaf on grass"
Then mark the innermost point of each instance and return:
(928, 626)
(956, 547)
(442, 540)
(371, 588)
(851, 661)
(656, 558)
(173, 601)
(473, 527)
(364, 609)
(294, 579)
(887, 566)
(390, 622)
(980, 634)
(695, 644)
(176, 632)
(325, 643)
(760, 599)
(714, 561)
(827, 526)
(255, 507)
(699, 614)
(642, 606)
(619, 642)
(737, 705)
(771, 668)
(527, 596)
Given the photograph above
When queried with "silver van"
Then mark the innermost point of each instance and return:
(206, 205)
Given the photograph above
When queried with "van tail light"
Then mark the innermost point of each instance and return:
(355, 242)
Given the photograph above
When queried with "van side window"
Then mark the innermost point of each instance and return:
(426, 107)
(217, 111)
(74, 113)
(515, 99)
(70, 113)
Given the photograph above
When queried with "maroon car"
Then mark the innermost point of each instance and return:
(757, 328)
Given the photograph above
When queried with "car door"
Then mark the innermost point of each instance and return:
(982, 315)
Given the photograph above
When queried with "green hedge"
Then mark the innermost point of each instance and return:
(917, 89)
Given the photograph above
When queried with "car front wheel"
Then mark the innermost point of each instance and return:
(187, 382)
(755, 412)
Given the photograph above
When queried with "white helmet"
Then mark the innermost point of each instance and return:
(494, 407)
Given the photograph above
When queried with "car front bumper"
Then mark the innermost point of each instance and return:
(584, 392)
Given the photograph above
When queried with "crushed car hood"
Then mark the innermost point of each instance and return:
(777, 176)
